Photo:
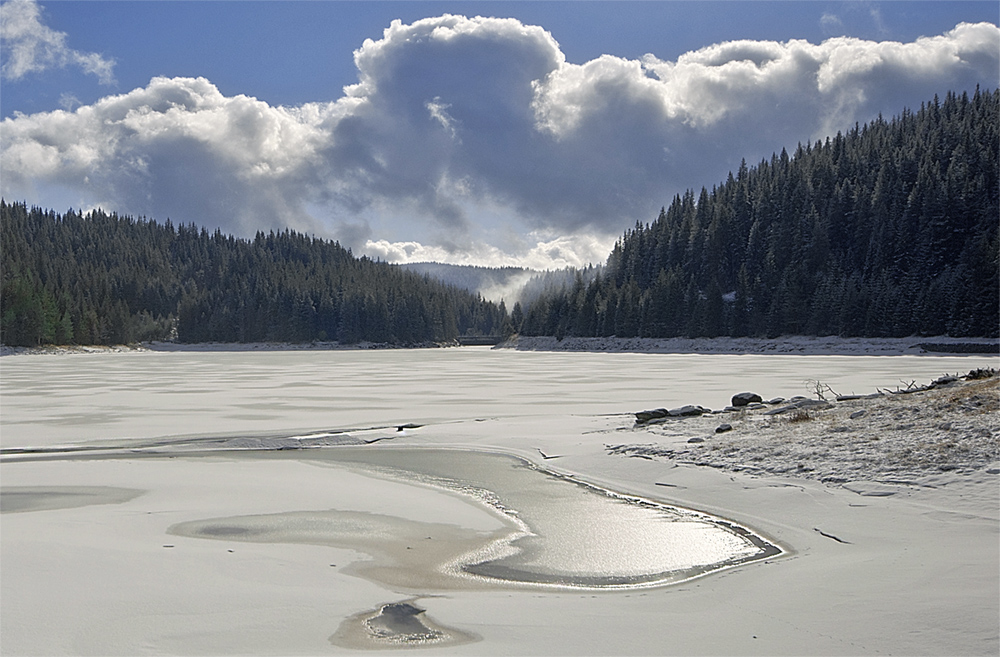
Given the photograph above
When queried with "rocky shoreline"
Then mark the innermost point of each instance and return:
(910, 436)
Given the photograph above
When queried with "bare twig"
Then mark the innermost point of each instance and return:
(821, 389)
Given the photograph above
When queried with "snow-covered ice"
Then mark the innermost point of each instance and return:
(889, 550)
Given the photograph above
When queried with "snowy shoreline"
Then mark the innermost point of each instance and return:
(805, 345)
(49, 350)
(868, 444)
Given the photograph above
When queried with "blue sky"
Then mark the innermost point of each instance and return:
(292, 52)
(489, 142)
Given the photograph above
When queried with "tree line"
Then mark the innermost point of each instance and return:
(888, 230)
(100, 278)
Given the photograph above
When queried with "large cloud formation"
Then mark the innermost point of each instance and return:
(176, 148)
(474, 140)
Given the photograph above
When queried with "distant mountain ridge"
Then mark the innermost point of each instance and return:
(889, 230)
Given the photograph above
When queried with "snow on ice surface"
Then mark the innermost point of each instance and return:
(914, 572)
(87, 397)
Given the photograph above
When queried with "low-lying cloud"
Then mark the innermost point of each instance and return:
(473, 140)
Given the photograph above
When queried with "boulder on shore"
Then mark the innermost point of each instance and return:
(646, 416)
(689, 410)
(800, 403)
(745, 398)
(686, 411)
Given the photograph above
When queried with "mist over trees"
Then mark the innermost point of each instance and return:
(493, 283)
(888, 230)
(101, 278)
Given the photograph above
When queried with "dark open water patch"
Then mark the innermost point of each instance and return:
(21, 499)
(225, 531)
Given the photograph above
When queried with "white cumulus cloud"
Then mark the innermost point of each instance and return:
(29, 46)
(177, 148)
(540, 252)
(474, 141)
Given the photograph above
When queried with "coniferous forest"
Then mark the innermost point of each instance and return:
(889, 230)
(105, 279)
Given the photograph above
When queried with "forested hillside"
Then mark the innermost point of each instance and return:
(888, 230)
(104, 279)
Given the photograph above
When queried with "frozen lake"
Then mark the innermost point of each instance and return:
(191, 550)
(50, 400)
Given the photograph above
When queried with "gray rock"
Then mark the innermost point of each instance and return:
(723, 428)
(856, 414)
(744, 398)
(802, 402)
(696, 440)
(756, 406)
(775, 401)
(686, 411)
(646, 416)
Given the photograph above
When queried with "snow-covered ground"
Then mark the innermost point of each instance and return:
(59, 350)
(871, 443)
(890, 525)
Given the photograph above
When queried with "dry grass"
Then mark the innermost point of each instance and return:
(982, 395)
(953, 428)
(800, 416)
